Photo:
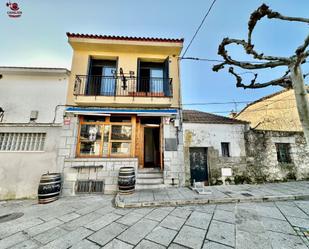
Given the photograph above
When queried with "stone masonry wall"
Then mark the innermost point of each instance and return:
(173, 160)
(211, 136)
(106, 169)
(73, 168)
(262, 156)
(217, 162)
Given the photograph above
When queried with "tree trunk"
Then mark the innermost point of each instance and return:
(301, 97)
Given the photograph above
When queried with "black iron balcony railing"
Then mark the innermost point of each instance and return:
(93, 85)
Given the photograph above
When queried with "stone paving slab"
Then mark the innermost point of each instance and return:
(218, 194)
(93, 222)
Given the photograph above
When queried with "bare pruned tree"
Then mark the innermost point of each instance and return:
(293, 77)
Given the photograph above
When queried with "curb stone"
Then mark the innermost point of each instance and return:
(120, 203)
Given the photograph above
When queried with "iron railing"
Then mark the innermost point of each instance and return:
(93, 85)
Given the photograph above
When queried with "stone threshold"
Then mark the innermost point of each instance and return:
(174, 203)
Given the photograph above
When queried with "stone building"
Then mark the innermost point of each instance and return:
(213, 142)
(31, 115)
(123, 110)
(276, 147)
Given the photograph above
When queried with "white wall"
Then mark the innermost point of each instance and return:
(22, 93)
(20, 172)
(212, 135)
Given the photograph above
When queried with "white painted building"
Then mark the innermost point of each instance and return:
(212, 142)
(31, 116)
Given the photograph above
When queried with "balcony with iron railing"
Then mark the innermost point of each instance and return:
(122, 90)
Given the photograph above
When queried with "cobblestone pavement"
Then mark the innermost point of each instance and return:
(92, 222)
(216, 194)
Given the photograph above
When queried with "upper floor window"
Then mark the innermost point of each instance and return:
(153, 77)
(107, 78)
(101, 77)
(225, 149)
(283, 152)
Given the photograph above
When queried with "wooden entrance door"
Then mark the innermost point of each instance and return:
(198, 165)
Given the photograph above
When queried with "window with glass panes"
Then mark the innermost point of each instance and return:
(105, 136)
(17, 141)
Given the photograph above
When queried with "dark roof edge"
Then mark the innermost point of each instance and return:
(126, 38)
(227, 119)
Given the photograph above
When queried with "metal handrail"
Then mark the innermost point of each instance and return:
(97, 85)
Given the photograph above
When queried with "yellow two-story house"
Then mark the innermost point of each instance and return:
(123, 109)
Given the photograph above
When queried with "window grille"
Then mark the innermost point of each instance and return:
(13, 141)
(89, 186)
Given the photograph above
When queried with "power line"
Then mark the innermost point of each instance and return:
(200, 59)
(199, 27)
(258, 110)
(235, 102)
(215, 60)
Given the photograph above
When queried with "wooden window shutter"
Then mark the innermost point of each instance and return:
(166, 83)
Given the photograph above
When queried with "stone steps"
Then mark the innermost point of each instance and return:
(149, 181)
(150, 186)
(149, 175)
(149, 178)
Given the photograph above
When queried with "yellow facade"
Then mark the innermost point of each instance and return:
(276, 112)
(127, 53)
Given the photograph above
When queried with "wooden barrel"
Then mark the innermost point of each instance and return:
(126, 180)
(49, 188)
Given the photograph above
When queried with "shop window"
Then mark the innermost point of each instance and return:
(120, 148)
(121, 132)
(283, 152)
(225, 149)
(90, 139)
(105, 139)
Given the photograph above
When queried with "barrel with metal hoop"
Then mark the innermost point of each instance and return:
(49, 188)
(126, 180)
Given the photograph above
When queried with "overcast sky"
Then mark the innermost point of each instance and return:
(38, 37)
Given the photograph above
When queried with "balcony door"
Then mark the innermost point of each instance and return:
(101, 79)
(152, 78)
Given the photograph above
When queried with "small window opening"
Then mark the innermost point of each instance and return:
(225, 149)
(283, 152)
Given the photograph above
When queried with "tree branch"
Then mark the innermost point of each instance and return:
(263, 11)
(284, 81)
(301, 52)
(274, 61)
(270, 61)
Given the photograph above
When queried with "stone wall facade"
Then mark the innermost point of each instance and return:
(107, 169)
(73, 169)
(262, 156)
(173, 160)
(102, 169)
(210, 136)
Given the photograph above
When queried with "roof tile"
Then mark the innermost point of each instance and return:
(127, 38)
(193, 116)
